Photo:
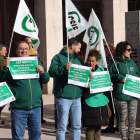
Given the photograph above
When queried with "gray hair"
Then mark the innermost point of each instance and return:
(1, 46)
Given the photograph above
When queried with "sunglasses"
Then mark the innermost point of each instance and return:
(130, 50)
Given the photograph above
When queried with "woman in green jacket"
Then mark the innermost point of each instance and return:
(94, 113)
(125, 66)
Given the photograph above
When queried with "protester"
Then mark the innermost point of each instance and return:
(26, 109)
(67, 96)
(3, 52)
(33, 53)
(94, 112)
(110, 128)
(122, 101)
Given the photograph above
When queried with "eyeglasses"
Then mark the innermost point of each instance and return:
(21, 49)
(130, 50)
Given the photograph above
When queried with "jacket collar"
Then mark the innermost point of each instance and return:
(65, 53)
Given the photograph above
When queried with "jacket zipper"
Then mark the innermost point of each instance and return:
(101, 116)
(75, 92)
(127, 73)
(31, 92)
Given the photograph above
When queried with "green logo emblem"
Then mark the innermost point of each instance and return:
(34, 41)
(24, 23)
(90, 33)
(73, 22)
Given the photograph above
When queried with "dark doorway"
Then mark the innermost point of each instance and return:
(8, 11)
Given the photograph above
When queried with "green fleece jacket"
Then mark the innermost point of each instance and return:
(57, 70)
(125, 66)
(28, 91)
(2, 62)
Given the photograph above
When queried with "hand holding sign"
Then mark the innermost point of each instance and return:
(123, 81)
(68, 65)
(7, 62)
(90, 75)
(40, 69)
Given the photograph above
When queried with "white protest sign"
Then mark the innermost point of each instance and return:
(100, 82)
(79, 75)
(6, 95)
(132, 86)
(23, 67)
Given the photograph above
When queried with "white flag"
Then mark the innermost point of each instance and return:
(75, 22)
(100, 48)
(25, 24)
(94, 35)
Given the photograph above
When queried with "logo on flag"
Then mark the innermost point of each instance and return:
(90, 33)
(28, 21)
(73, 20)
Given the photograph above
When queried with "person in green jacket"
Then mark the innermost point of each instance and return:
(67, 96)
(26, 109)
(94, 112)
(125, 66)
(3, 52)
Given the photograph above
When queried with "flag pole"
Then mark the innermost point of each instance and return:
(67, 46)
(111, 91)
(111, 56)
(10, 44)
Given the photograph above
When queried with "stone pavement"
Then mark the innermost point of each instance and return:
(48, 128)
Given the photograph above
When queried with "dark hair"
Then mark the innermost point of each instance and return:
(26, 39)
(112, 49)
(121, 48)
(18, 43)
(73, 41)
(93, 53)
(2, 46)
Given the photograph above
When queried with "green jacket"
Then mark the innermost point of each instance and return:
(2, 62)
(57, 70)
(125, 66)
(27, 91)
(96, 99)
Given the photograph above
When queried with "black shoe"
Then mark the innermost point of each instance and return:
(108, 130)
(2, 122)
(68, 131)
(43, 121)
(116, 129)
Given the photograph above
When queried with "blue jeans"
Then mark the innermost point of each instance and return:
(21, 117)
(66, 107)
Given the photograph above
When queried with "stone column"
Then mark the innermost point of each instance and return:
(113, 14)
(48, 17)
(54, 32)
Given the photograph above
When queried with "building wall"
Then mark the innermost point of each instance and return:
(113, 14)
(48, 16)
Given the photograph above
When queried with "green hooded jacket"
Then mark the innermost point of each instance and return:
(57, 70)
(125, 66)
(27, 92)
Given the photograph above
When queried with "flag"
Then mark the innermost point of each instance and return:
(94, 38)
(75, 22)
(25, 24)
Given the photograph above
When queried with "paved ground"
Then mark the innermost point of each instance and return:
(48, 128)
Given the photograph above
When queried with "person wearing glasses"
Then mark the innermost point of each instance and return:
(122, 101)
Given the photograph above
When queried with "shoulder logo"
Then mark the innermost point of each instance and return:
(131, 68)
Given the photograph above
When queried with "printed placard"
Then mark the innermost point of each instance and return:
(23, 67)
(100, 82)
(79, 75)
(132, 86)
(6, 95)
